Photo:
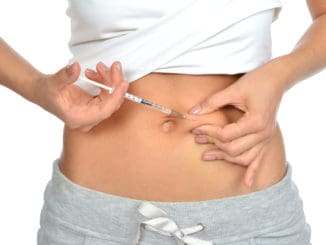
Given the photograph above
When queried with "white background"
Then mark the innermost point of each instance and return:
(30, 138)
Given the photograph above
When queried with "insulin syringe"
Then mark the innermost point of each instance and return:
(138, 100)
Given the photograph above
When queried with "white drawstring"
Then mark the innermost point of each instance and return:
(160, 222)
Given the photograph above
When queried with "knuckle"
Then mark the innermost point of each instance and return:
(209, 130)
(223, 137)
(217, 143)
(248, 157)
(56, 77)
(231, 148)
(244, 160)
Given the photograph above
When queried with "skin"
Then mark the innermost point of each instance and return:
(131, 155)
(168, 126)
(248, 136)
(251, 133)
(57, 94)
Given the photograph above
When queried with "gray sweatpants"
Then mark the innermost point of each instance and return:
(75, 215)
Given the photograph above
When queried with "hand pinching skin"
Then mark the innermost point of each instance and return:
(242, 142)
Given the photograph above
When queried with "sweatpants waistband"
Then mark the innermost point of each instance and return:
(103, 214)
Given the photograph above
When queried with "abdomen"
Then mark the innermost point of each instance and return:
(131, 154)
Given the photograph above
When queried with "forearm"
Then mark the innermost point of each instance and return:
(307, 58)
(16, 73)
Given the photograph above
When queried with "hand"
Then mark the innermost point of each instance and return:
(57, 94)
(258, 94)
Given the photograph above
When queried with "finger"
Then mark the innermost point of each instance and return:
(112, 102)
(112, 76)
(247, 124)
(243, 159)
(104, 72)
(214, 102)
(252, 169)
(98, 108)
(93, 75)
(116, 77)
(213, 131)
(116, 73)
(67, 75)
(235, 147)
(204, 139)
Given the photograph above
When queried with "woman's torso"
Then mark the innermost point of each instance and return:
(131, 155)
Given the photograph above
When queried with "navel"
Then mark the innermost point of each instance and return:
(168, 126)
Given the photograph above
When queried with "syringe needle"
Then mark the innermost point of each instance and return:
(138, 100)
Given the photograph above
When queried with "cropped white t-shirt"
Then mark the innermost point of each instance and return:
(183, 36)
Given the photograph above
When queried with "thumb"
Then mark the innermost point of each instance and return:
(213, 102)
(68, 74)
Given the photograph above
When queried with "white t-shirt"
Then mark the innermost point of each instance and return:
(183, 36)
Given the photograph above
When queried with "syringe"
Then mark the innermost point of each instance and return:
(138, 100)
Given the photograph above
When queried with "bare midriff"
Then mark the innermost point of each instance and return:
(144, 154)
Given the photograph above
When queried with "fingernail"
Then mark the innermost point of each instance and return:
(118, 66)
(70, 69)
(209, 157)
(195, 131)
(90, 71)
(195, 110)
(103, 66)
(201, 139)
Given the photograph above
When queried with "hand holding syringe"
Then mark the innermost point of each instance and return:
(137, 99)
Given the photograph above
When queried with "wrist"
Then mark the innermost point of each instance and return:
(34, 87)
(282, 72)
